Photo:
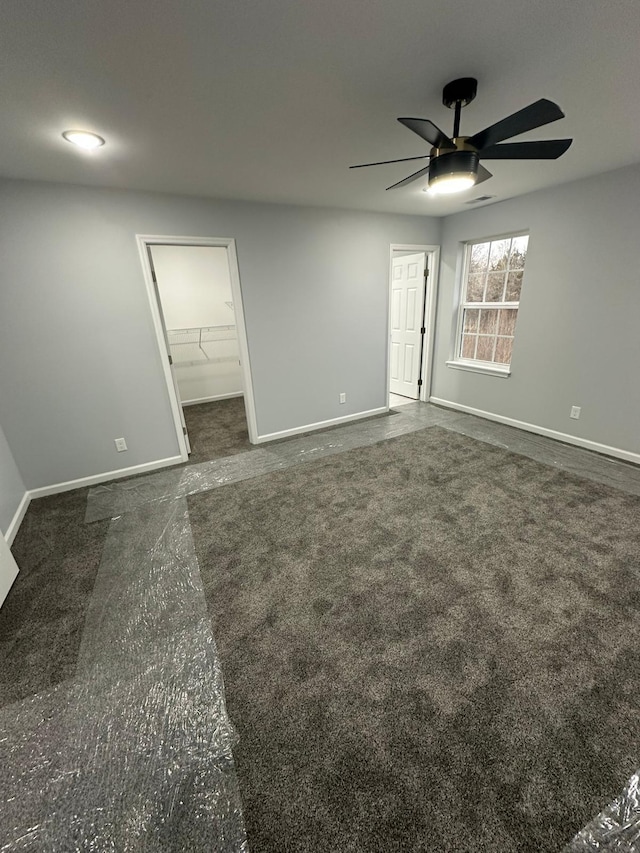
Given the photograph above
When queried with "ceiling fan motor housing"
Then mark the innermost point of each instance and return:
(453, 163)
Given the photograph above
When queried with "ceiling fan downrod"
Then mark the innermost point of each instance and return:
(457, 94)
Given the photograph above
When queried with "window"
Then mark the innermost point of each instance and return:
(492, 280)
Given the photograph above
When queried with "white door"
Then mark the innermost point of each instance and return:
(8, 569)
(407, 313)
(166, 341)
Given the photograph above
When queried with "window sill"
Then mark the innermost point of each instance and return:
(503, 371)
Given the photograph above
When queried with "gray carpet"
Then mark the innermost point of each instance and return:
(428, 645)
(42, 618)
(217, 429)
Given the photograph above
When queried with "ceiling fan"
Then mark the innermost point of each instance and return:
(454, 163)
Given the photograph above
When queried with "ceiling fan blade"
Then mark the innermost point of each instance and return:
(407, 180)
(428, 131)
(549, 149)
(384, 162)
(483, 175)
(535, 115)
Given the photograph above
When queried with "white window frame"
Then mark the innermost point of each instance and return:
(474, 365)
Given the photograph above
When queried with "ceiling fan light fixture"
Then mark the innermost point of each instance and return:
(449, 184)
(453, 172)
(454, 162)
(83, 139)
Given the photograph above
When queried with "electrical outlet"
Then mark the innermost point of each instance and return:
(575, 412)
(121, 444)
(343, 397)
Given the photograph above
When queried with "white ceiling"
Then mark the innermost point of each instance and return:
(272, 100)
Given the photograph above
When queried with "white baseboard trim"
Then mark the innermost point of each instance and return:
(56, 488)
(285, 433)
(16, 521)
(586, 443)
(211, 399)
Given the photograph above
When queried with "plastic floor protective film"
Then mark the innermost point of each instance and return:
(115, 498)
(616, 829)
(134, 754)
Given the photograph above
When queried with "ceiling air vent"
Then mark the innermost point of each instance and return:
(480, 198)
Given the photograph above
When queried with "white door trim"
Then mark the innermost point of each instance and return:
(149, 240)
(433, 264)
(8, 569)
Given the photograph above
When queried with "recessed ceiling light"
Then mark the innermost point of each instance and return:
(83, 139)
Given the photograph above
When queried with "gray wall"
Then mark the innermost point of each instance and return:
(78, 360)
(12, 488)
(578, 334)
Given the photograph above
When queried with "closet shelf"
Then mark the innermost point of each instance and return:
(199, 331)
(201, 344)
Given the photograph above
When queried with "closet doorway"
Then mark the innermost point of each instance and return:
(196, 303)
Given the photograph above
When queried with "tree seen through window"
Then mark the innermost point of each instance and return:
(494, 271)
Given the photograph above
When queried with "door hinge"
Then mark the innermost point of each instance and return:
(153, 276)
(184, 430)
(170, 359)
(419, 383)
(423, 330)
(426, 273)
